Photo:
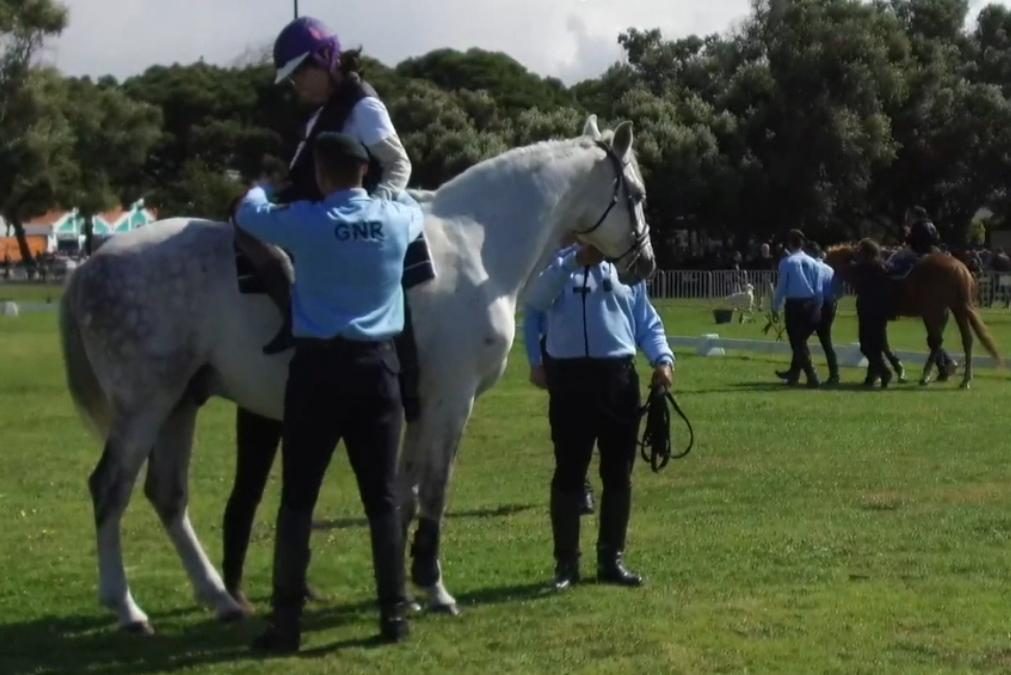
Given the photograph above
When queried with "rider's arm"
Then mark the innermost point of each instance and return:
(374, 128)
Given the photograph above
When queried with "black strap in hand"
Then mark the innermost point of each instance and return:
(656, 443)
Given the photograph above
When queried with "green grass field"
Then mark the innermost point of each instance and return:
(837, 531)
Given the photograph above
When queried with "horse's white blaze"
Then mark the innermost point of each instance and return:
(154, 306)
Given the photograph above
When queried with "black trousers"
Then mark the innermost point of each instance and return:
(801, 321)
(873, 334)
(593, 401)
(339, 389)
(824, 331)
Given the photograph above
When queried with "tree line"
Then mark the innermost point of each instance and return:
(829, 115)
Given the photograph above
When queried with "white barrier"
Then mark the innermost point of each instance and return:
(711, 344)
(10, 309)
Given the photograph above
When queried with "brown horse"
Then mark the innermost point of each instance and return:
(937, 284)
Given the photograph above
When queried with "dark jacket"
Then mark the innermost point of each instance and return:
(875, 290)
(332, 117)
(923, 237)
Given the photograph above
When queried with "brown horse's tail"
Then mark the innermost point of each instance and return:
(981, 331)
(969, 294)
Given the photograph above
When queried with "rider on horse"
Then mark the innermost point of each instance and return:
(921, 239)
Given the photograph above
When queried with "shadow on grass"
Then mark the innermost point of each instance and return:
(348, 523)
(92, 644)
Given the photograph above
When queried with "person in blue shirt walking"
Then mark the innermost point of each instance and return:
(799, 289)
(594, 324)
(831, 289)
(347, 307)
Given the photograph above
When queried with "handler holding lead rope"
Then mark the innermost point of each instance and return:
(348, 305)
(594, 323)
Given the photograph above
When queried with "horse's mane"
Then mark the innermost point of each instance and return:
(559, 147)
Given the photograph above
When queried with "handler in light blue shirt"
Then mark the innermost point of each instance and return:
(593, 324)
(347, 305)
(350, 250)
(588, 313)
(801, 288)
(800, 278)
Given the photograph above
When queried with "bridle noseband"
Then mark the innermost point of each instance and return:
(621, 185)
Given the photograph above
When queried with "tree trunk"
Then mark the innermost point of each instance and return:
(26, 252)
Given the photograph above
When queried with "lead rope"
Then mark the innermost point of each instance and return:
(656, 443)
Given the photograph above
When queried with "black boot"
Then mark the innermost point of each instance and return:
(788, 376)
(812, 377)
(565, 531)
(291, 560)
(283, 634)
(586, 506)
(388, 563)
(615, 506)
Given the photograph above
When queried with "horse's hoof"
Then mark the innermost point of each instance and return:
(924, 383)
(450, 609)
(138, 628)
(414, 608)
(965, 385)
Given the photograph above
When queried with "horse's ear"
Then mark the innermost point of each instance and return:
(591, 129)
(622, 143)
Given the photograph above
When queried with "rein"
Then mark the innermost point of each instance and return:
(656, 444)
(620, 185)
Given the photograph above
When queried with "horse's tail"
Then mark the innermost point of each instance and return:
(968, 301)
(84, 386)
(983, 333)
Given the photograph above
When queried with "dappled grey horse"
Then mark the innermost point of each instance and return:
(158, 306)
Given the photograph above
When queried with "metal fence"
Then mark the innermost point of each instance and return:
(703, 284)
(994, 287)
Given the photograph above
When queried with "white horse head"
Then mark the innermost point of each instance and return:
(609, 211)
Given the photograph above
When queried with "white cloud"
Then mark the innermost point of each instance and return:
(570, 39)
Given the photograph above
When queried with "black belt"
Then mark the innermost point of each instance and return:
(583, 363)
(341, 344)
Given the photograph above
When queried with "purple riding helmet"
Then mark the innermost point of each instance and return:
(305, 38)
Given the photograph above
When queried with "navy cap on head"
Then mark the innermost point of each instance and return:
(333, 145)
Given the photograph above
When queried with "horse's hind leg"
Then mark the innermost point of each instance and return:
(966, 331)
(438, 440)
(167, 488)
(128, 445)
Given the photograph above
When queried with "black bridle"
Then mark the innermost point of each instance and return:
(631, 202)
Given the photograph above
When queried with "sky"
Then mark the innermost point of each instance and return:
(568, 39)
